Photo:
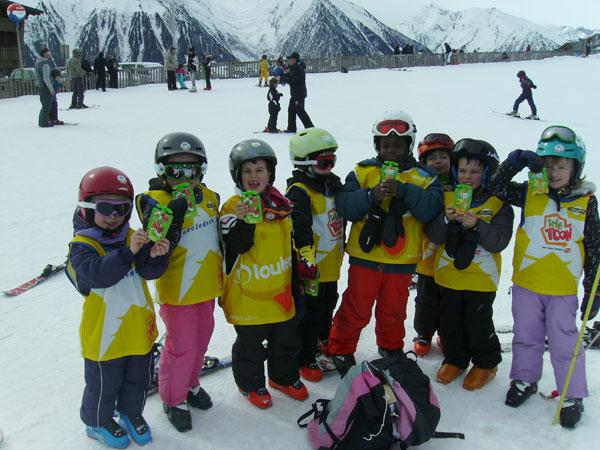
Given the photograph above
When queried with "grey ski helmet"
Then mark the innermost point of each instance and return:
(179, 142)
(249, 150)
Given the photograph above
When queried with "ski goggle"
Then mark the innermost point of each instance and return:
(325, 161)
(179, 171)
(385, 127)
(559, 132)
(108, 208)
(438, 138)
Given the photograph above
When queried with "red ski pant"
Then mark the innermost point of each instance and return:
(366, 285)
(189, 329)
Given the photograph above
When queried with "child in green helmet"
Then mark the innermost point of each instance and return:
(557, 240)
(318, 238)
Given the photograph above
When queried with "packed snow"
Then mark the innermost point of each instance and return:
(41, 369)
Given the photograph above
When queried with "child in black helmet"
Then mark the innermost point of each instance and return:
(471, 236)
(257, 297)
(273, 97)
(187, 290)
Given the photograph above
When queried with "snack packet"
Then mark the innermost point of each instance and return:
(252, 199)
(160, 220)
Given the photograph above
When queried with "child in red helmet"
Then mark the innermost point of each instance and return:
(109, 264)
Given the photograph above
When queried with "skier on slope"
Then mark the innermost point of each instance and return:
(187, 290)
(526, 85)
(558, 239)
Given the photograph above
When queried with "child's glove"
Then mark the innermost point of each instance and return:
(520, 159)
(179, 207)
(595, 305)
(370, 235)
(307, 264)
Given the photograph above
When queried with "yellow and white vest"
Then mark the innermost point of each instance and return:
(119, 320)
(258, 289)
(195, 267)
(483, 273)
(409, 248)
(549, 253)
(328, 233)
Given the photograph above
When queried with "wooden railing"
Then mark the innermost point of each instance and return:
(137, 77)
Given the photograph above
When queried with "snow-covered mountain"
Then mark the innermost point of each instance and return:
(236, 29)
(482, 30)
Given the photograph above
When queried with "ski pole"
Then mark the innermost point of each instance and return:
(577, 346)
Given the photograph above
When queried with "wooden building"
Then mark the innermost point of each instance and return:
(9, 54)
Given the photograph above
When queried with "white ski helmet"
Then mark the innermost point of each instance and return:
(397, 122)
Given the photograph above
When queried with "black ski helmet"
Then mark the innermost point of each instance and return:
(248, 150)
(179, 142)
(476, 149)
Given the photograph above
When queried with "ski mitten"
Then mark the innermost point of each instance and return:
(370, 234)
(179, 207)
(453, 238)
(595, 305)
(466, 250)
(307, 264)
(392, 225)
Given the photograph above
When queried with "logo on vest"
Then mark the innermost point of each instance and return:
(335, 224)
(244, 274)
(557, 230)
(485, 213)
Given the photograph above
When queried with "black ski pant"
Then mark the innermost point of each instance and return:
(207, 80)
(113, 79)
(468, 329)
(46, 101)
(521, 98)
(274, 109)
(316, 321)
(54, 111)
(171, 82)
(119, 384)
(101, 81)
(296, 108)
(427, 306)
(249, 354)
(78, 90)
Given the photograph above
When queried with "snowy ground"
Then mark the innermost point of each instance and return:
(41, 371)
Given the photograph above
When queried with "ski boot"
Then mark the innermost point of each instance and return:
(570, 413)
(112, 435)
(421, 345)
(343, 363)
(513, 114)
(179, 416)
(385, 353)
(478, 378)
(448, 373)
(311, 372)
(518, 392)
(297, 391)
(137, 428)
(199, 398)
(532, 117)
(259, 398)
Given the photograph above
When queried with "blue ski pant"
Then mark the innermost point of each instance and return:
(521, 98)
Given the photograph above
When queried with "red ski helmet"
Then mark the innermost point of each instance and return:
(104, 180)
(434, 141)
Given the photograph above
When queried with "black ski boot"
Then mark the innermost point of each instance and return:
(385, 353)
(570, 413)
(518, 392)
(200, 399)
(343, 363)
(179, 416)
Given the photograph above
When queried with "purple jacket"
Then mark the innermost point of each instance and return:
(95, 271)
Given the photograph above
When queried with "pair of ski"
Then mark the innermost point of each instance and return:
(518, 117)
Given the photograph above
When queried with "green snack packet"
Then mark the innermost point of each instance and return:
(539, 182)
(158, 225)
(389, 170)
(186, 191)
(252, 199)
(311, 287)
(463, 194)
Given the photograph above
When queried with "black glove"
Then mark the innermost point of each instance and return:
(392, 225)
(466, 250)
(453, 238)
(595, 305)
(370, 235)
(520, 159)
(179, 207)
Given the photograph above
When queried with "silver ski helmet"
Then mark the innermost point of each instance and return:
(249, 150)
(179, 142)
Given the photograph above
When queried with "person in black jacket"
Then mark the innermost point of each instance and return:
(526, 86)
(296, 78)
(273, 97)
(207, 63)
(100, 69)
(113, 72)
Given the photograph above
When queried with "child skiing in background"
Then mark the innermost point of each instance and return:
(273, 97)
(318, 237)
(468, 266)
(263, 67)
(385, 242)
(558, 238)
(180, 74)
(435, 152)
(256, 228)
(193, 65)
(526, 94)
(56, 84)
(187, 290)
(108, 264)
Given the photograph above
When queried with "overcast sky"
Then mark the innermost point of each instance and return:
(557, 12)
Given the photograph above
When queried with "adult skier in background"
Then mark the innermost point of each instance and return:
(296, 78)
(170, 66)
(76, 74)
(44, 85)
(113, 72)
(263, 66)
(100, 69)
(526, 85)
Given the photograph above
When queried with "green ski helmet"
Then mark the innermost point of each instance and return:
(249, 150)
(176, 143)
(561, 141)
(308, 142)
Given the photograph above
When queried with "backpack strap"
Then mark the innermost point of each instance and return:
(447, 435)
(314, 410)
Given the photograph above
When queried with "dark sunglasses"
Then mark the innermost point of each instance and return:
(108, 208)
